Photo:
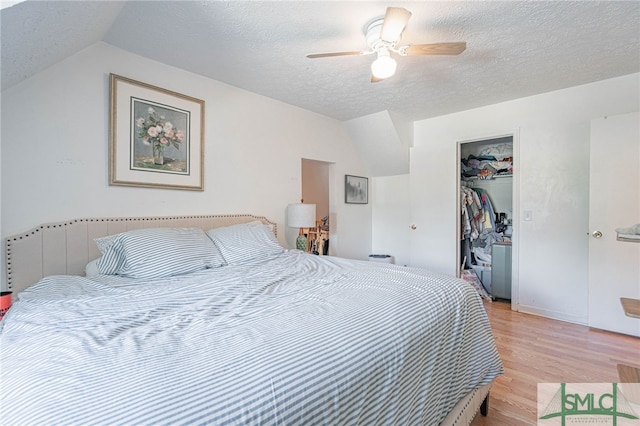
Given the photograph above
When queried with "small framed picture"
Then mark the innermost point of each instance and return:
(356, 189)
(156, 137)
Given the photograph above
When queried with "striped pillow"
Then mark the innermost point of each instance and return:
(157, 252)
(244, 242)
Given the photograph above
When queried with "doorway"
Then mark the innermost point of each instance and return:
(486, 213)
(316, 190)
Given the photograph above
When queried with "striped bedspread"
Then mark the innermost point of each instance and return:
(295, 339)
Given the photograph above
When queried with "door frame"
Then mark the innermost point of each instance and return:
(515, 196)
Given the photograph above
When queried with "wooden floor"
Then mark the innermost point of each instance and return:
(541, 350)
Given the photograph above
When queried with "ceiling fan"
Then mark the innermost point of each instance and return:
(383, 36)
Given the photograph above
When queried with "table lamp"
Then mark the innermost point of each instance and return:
(301, 216)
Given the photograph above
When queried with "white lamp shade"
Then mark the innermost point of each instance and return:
(301, 215)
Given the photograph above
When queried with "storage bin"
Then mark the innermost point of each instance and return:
(501, 270)
(484, 273)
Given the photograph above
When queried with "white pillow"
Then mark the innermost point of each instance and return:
(91, 270)
(157, 252)
(243, 242)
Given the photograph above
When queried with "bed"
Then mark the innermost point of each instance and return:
(209, 320)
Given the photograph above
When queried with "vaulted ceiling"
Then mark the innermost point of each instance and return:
(514, 48)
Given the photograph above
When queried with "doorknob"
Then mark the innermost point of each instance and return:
(597, 234)
(413, 227)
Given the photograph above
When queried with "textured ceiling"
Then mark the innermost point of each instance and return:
(514, 49)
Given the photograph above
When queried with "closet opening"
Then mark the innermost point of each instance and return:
(486, 215)
(316, 190)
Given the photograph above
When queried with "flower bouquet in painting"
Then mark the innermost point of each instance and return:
(157, 132)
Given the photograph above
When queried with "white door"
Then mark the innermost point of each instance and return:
(614, 202)
(433, 183)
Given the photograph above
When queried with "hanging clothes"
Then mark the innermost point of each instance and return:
(473, 216)
(478, 225)
(487, 207)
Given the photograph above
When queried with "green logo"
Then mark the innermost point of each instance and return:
(585, 402)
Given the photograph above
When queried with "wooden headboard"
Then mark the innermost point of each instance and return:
(65, 248)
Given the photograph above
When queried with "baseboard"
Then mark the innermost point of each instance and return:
(561, 316)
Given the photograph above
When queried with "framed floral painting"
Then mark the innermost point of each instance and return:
(156, 137)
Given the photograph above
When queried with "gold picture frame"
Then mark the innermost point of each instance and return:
(156, 136)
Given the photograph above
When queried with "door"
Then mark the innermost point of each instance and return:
(614, 202)
(432, 183)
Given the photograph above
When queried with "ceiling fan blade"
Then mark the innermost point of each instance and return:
(375, 79)
(395, 20)
(326, 55)
(455, 48)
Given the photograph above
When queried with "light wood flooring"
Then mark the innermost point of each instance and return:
(541, 350)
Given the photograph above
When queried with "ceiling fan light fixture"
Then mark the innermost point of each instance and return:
(383, 36)
(384, 66)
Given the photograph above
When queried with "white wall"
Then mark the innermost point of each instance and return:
(553, 181)
(54, 144)
(391, 217)
(383, 140)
